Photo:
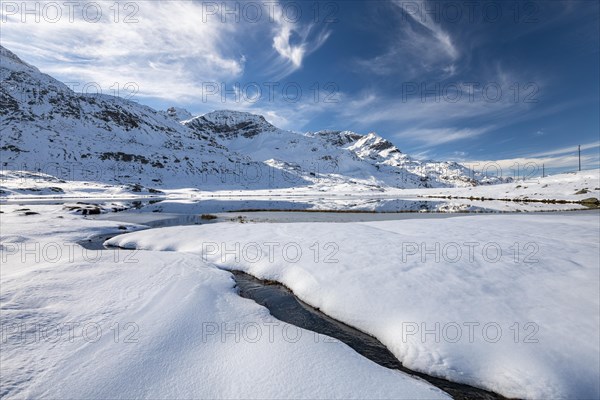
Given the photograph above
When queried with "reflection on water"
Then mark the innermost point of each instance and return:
(285, 306)
(167, 212)
(172, 212)
(342, 204)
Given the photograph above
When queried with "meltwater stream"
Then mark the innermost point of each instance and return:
(286, 307)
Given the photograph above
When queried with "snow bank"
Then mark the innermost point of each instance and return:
(574, 186)
(122, 324)
(509, 303)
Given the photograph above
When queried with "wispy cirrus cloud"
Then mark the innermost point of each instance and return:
(165, 47)
(558, 158)
(293, 41)
(434, 113)
(567, 150)
(438, 136)
(431, 121)
(419, 45)
(433, 33)
(170, 50)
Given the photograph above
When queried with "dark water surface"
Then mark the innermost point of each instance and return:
(284, 306)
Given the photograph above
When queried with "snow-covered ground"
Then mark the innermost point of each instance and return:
(505, 302)
(572, 187)
(575, 186)
(168, 324)
(121, 324)
(27, 185)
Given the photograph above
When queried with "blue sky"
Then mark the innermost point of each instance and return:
(510, 81)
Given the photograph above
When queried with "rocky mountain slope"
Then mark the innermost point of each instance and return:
(360, 159)
(46, 127)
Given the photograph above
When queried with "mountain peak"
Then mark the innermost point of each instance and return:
(336, 138)
(179, 114)
(375, 143)
(11, 61)
(231, 117)
(229, 123)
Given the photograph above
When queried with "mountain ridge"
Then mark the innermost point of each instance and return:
(117, 141)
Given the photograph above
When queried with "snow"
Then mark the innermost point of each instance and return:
(49, 128)
(563, 186)
(122, 324)
(23, 185)
(180, 114)
(383, 278)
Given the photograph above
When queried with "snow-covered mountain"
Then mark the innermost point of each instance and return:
(49, 128)
(340, 155)
(46, 127)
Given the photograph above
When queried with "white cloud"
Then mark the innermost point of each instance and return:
(428, 114)
(419, 45)
(567, 150)
(437, 136)
(293, 42)
(281, 43)
(427, 121)
(168, 52)
(440, 38)
(560, 158)
(422, 155)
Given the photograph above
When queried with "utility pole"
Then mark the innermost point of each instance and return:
(543, 170)
(579, 152)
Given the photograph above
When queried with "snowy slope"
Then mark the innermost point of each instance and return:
(383, 154)
(47, 127)
(507, 303)
(330, 157)
(84, 324)
(582, 186)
